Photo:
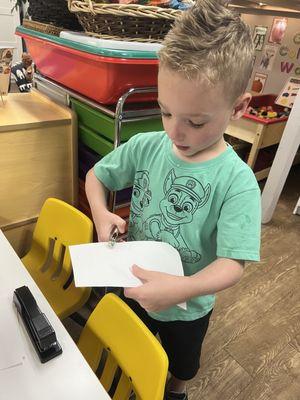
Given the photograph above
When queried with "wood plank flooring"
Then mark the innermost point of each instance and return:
(252, 349)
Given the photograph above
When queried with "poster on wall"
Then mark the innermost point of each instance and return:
(259, 82)
(289, 92)
(259, 36)
(278, 30)
(268, 57)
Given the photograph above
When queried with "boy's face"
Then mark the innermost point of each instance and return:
(195, 115)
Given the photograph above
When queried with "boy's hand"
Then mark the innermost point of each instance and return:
(159, 290)
(106, 223)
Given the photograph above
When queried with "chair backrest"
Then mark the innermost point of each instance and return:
(60, 225)
(114, 337)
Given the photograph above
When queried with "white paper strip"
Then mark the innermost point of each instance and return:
(11, 346)
(97, 264)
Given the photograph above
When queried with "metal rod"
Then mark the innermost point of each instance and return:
(133, 115)
(118, 127)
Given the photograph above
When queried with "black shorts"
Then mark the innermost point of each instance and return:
(182, 340)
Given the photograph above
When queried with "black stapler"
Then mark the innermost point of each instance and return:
(38, 327)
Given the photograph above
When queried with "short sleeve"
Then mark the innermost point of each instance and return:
(239, 226)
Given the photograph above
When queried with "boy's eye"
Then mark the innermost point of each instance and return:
(166, 115)
(196, 126)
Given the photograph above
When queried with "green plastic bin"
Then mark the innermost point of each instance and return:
(94, 141)
(104, 125)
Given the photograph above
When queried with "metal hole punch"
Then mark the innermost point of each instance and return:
(113, 236)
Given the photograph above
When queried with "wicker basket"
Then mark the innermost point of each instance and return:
(124, 21)
(54, 12)
(40, 27)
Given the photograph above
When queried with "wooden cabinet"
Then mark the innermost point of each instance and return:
(38, 159)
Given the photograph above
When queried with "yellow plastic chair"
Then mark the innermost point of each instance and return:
(114, 340)
(48, 261)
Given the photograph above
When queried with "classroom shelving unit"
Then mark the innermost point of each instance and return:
(122, 113)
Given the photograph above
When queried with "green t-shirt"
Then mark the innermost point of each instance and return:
(205, 210)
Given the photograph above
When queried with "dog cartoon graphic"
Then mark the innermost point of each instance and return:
(184, 195)
(141, 197)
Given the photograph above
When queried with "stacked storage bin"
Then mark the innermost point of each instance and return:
(96, 132)
(95, 79)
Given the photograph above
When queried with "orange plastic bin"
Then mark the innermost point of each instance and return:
(100, 74)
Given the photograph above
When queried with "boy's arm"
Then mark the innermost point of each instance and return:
(104, 220)
(160, 290)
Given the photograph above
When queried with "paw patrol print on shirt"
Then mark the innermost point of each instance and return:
(184, 195)
(141, 197)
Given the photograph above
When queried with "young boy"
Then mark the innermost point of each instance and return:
(190, 188)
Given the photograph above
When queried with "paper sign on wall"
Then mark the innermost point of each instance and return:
(259, 36)
(278, 30)
(259, 82)
(289, 92)
(268, 57)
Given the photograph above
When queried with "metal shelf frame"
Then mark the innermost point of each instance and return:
(120, 115)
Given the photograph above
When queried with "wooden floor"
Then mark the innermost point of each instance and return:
(252, 349)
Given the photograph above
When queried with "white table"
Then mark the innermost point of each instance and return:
(66, 377)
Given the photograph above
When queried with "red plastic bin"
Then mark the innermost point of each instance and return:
(103, 79)
(265, 100)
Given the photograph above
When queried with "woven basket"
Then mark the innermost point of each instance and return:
(124, 21)
(53, 12)
(40, 27)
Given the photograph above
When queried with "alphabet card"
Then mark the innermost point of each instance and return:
(268, 57)
(259, 82)
(278, 30)
(259, 36)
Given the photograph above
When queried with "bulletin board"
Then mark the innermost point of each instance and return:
(277, 54)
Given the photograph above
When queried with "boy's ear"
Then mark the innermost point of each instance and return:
(241, 106)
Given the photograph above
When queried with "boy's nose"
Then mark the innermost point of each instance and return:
(175, 133)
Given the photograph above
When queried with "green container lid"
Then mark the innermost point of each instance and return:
(87, 48)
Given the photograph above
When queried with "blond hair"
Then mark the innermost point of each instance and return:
(210, 42)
